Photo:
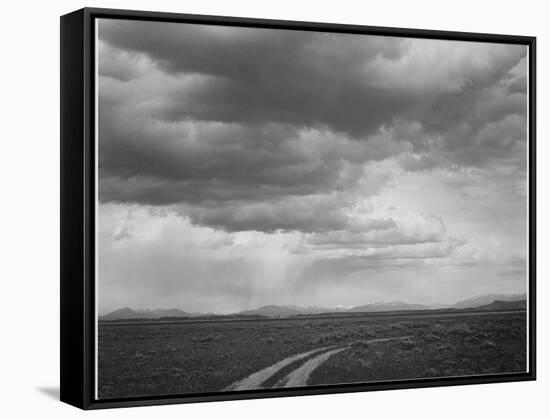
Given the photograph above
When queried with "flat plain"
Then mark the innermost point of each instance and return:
(183, 357)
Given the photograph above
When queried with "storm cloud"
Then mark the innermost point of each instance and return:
(341, 153)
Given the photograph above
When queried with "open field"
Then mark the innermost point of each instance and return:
(191, 357)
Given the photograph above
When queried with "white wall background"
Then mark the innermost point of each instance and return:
(29, 187)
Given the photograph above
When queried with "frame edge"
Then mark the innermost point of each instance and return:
(76, 223)
(72, 280)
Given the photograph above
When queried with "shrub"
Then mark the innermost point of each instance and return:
(138, 355)
(460, 330)
(488, 345)
(406, 344)
(432, 372)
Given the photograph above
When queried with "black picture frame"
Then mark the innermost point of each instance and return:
(78, 206)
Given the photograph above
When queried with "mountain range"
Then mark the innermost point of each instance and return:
(129, 313)
(484, 302)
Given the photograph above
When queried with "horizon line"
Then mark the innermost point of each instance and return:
(344, 307)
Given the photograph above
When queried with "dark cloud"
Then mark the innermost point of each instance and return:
(311, 214)
(230, 51)
(206, 162)
(241, 127)
(303, 78)
(504, 139)
(518, 85)
(382, 233)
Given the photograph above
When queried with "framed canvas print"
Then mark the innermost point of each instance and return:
(259, 208)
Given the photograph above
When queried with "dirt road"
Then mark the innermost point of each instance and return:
(300, 375)
(255, 380)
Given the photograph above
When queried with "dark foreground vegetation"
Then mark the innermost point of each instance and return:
(177, 358)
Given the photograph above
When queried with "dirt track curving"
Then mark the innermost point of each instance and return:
(255, 380)
(300, 375)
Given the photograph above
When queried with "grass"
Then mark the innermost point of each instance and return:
(162, 359)
(438, 348)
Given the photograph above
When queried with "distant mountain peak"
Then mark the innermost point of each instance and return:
(487, 299)
(389, 306)
(129, 313)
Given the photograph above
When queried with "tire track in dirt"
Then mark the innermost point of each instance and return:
(255, 380)
(300, 376)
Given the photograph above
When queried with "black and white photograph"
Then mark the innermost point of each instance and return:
(283, 208)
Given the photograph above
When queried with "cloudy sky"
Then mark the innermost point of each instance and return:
(240, 167)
